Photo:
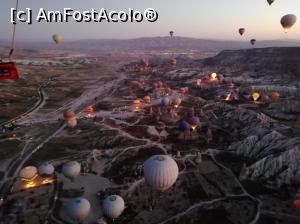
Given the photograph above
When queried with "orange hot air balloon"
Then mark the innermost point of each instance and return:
(242, 31)
(173, 62)
(255, 96)
(147, 99)
(274, 95)
(136, 105)
(213, 77)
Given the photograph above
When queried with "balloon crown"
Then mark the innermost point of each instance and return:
(159, 158)
(112, 198)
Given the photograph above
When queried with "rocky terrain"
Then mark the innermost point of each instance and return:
(241, 166)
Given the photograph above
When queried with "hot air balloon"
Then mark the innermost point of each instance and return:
(171, 33)
(274, 95)
(194, 122)
(136, 105)
(270, 2)
(160, 172)
(184, 125)
(253, 41)
(288, 21)
(70, 119)
(147, 99)
(255, 96)
(28, 173)
(57, 38)
(71, 169)
(296, 204)
(8, 71)
(173, 62)
(168, 91)
(165, 101)
(177, 102)
(69, 115)
(46, 169)
(242, 31)
(113, 206)
(78, 209)
(89, 112)
(213, 77)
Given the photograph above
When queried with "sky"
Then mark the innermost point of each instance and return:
(209, 19)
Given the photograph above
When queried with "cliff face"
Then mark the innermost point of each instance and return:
(269, 63)
(271, 149)
(266, 137)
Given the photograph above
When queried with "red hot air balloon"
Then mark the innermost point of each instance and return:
(8, 71)
(89, 112)
(296, 204)
(69, 115)
(242, 31)
(274, 95)
(70, 119)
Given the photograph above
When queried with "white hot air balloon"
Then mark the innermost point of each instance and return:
(288, 21)
(46, 169)
(160, 172)
(177, 101)
(113, 206)
(72, 123)
(28, 173)
(56, 38)
(71, 169)
(78, 209)
(165, 101)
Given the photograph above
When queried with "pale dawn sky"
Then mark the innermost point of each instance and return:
(213, 19)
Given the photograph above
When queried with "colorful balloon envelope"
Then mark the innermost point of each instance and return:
(8, 71)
